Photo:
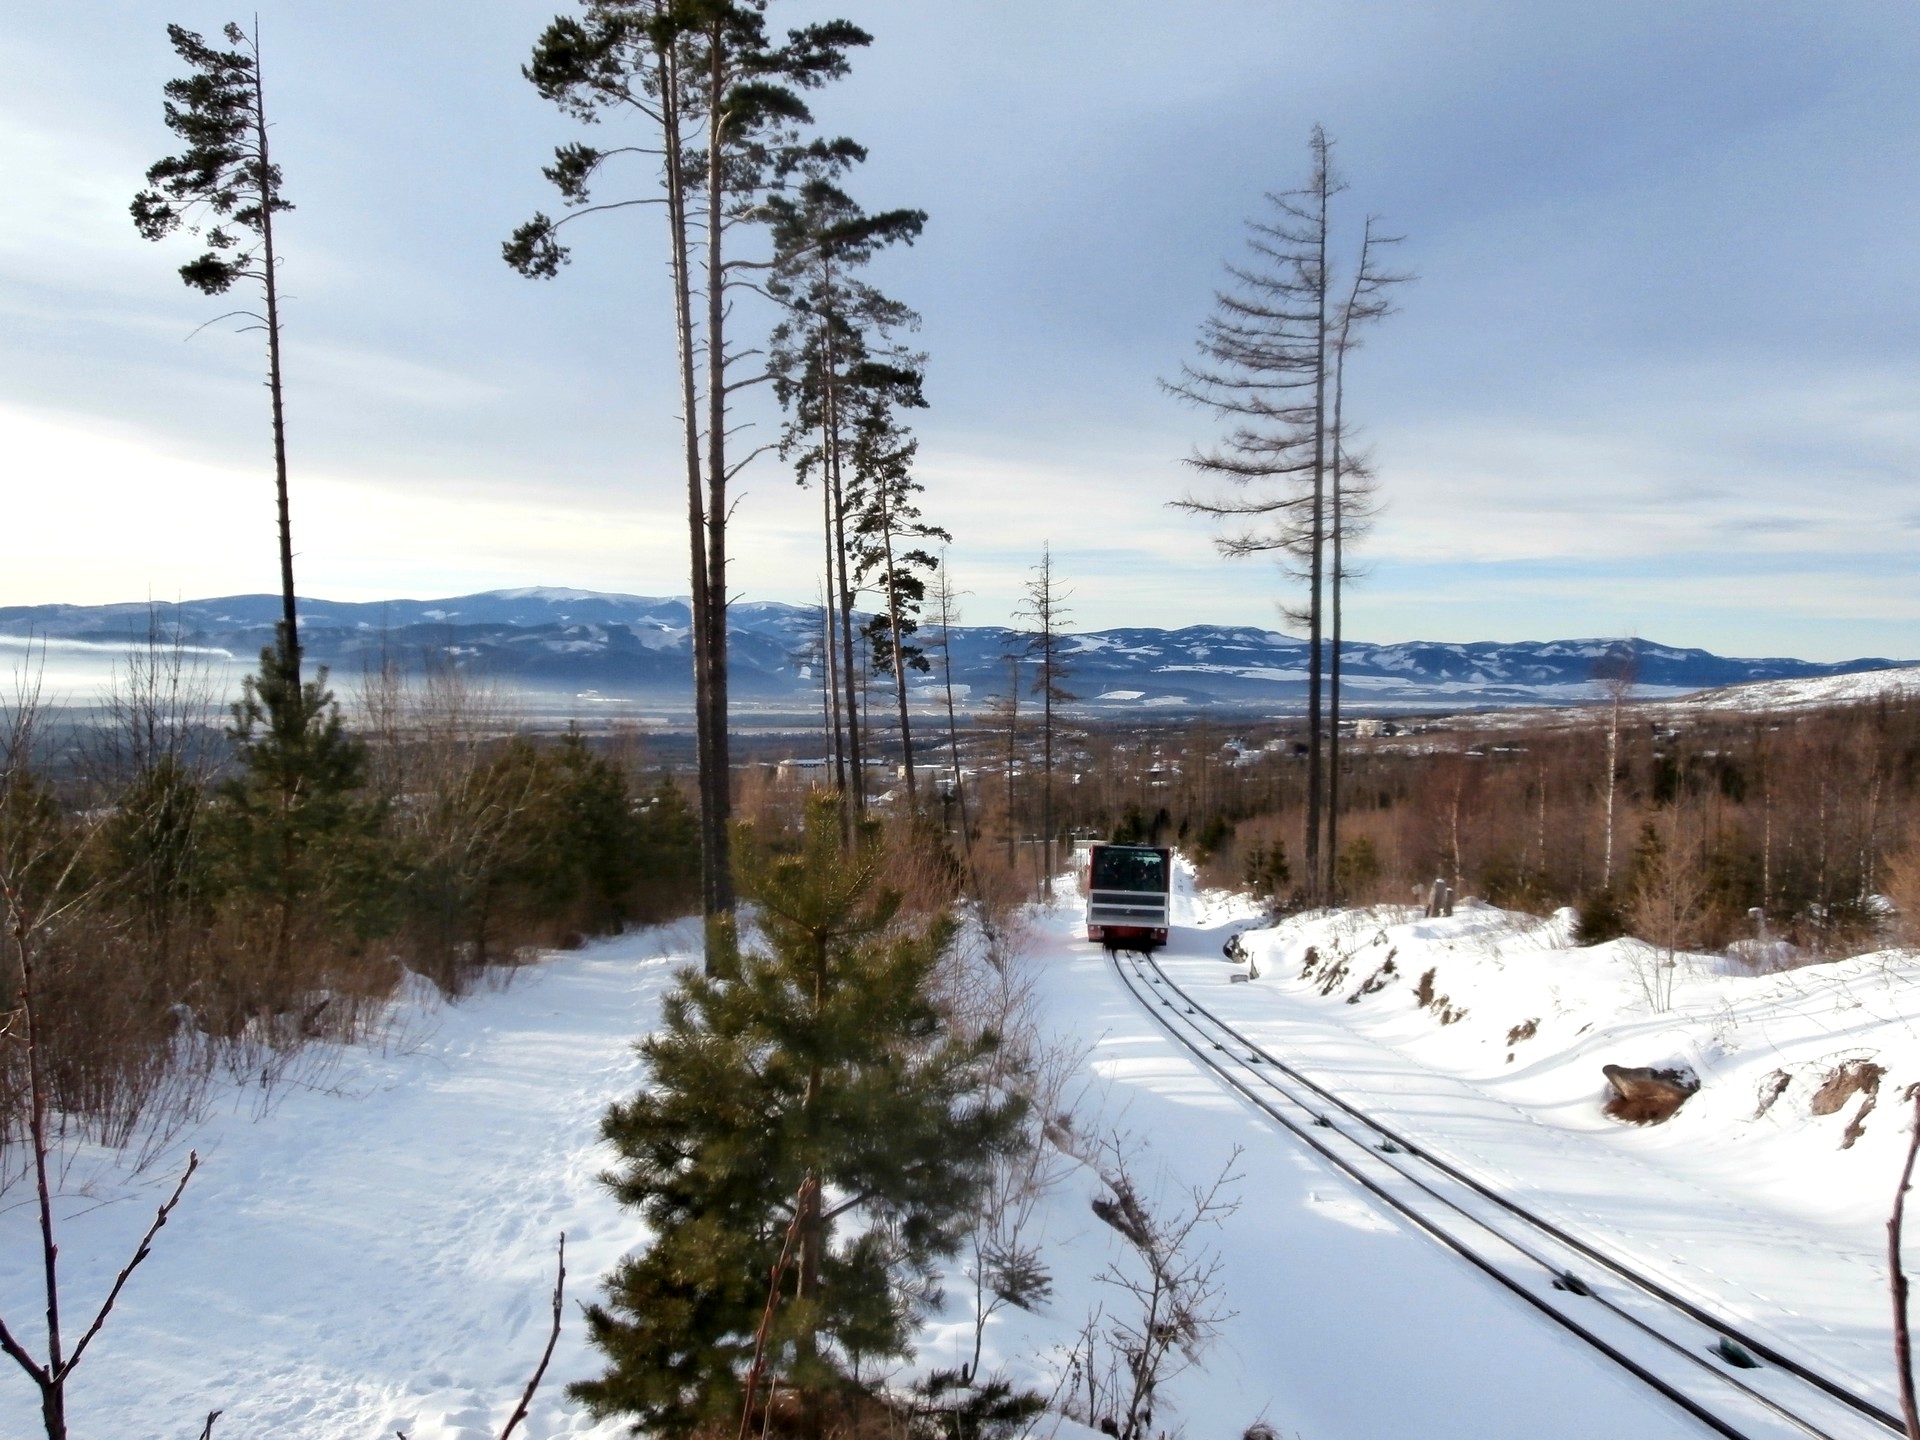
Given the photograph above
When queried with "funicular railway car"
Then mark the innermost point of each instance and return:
(1127, 889)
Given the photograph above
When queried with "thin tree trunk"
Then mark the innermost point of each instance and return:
(1317, 558)
(1339, 579)
(718, 848)
(830, 646)
(850, 668)
(1613, 751)
(681, 265)
(899, 657)
(833, 478)
(1046, 762)
(953, 730)
(53, 1396)
(1013, 751)
(289, 621)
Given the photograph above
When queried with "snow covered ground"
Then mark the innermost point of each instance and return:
(374, 1251)
(1767, 696)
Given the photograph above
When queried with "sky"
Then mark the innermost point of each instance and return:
(1659, 372)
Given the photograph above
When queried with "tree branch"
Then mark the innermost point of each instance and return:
(553, 1338)
(126, 1271)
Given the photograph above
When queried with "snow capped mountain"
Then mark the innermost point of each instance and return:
(559, 640)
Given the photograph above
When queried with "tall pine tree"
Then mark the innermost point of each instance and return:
(226, 183)
(720, 109)
(837, 362)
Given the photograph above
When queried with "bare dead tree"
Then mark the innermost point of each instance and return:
(1668, 904)
(1352, 486)
(1617, 672)
(1265, 369)
(1044, 614)
(944, 597)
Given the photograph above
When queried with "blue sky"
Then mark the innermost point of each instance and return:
(1660, 372)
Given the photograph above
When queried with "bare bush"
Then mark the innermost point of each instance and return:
(1172, 1299)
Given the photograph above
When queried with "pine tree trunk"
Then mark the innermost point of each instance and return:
(899, 657)
(289, 621)
(681, 265)
(719, 810)
(829, 645)
(849, 664)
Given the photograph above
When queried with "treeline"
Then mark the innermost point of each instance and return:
(183, 896)
(1810, 819)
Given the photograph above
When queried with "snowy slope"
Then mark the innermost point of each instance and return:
(374, 1251)
(1810, 693)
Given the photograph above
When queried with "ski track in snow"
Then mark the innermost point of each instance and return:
(375, 1252)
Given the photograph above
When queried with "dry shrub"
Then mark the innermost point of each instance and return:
(919, 865)
(1903, 889)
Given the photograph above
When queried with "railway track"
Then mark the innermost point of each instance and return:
(1732, 1382)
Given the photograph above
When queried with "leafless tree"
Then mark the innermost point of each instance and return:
(948, 612)
(43, 888)
(1618, 672)
(1353, 486)
(1044, 614)
(1174, 1294)
(1271, 366)
(1668, 904)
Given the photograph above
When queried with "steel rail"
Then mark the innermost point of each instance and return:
(1641, 1281)
(1236, 1077)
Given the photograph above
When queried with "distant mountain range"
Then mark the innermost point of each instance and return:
(634, 649)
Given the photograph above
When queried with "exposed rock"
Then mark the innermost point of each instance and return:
(1525, 1030)
(1647, 1094)
(1844, 1082)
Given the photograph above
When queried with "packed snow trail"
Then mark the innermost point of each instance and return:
(376, 1254)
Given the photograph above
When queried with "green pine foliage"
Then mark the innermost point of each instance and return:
(1357, 870)
(297, 835)
(1265, 869)
(823, 1058)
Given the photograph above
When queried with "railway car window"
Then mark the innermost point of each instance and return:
(1137, 870)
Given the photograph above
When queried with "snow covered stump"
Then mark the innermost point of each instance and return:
(1645, 1095)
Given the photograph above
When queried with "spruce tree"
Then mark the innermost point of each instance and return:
(816, 1104)
(299, 834)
